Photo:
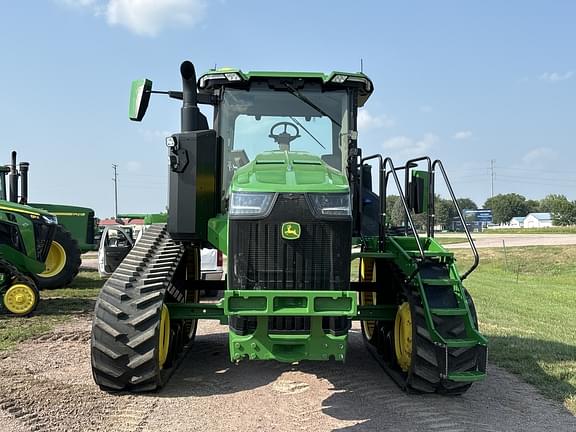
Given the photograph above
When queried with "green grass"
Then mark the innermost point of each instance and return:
(55, 307)
(526, 302)
(551, 230)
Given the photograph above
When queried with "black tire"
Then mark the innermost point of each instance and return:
(63, 239)
(424, 373)
(126, 328)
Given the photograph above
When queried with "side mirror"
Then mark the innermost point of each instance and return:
(139, 98)
(419, 191)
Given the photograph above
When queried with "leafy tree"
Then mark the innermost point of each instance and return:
(563, 211)
(534, 206)
(506, 206)
(466, 204)
(444, 211)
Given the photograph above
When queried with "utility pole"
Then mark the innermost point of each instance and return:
(115, 180)
(492, 161)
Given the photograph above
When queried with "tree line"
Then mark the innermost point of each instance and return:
(504, 207)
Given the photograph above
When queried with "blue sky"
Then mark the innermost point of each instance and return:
(461, 81)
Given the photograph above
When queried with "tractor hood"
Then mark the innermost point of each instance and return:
(23, 209)
(285, 171)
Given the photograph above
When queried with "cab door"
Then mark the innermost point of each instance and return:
(115, 243)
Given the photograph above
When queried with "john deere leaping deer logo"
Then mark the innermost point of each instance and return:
(291, 230)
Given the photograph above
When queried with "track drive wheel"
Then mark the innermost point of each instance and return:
(135, 343)
(62, 263)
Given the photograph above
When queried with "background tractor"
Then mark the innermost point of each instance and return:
(74, 235)
(26, 235)
(281, 187)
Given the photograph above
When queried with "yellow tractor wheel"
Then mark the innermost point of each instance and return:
(55, 261)
(403, 336)
(163, 336)
(21, 299)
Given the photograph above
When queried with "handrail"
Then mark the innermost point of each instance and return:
(382, 206)
(430, 210)
(438, 163)
(383, 182)
(403, 199)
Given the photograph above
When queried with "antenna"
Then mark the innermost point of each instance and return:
(361, 65)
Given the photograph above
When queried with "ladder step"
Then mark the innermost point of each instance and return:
(466, 376)
(448, 312)
(443, 281)
(461, 343)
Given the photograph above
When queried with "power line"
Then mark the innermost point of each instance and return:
(492, 177)
(115, 180)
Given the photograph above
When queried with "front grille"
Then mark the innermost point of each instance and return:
(262, 259)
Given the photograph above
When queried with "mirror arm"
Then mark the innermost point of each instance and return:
(204, 99)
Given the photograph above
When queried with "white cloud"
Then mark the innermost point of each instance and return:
(369, 121)
(462, 135)
(539, 156)
(556, 76)
(404, 147)
(145, 17)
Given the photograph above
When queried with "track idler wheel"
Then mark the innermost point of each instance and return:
(21, 298)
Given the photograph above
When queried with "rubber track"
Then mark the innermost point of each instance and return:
(127, 315)
(424, 376)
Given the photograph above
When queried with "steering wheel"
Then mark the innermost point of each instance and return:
(284, 138)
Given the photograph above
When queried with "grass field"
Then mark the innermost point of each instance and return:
(526, 301)
(55, 306)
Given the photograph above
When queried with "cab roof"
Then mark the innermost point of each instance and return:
(232, 77)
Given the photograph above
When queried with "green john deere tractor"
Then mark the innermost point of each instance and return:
(73, 236)
(26, 236)
(281, 187)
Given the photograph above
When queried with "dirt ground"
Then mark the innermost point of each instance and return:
(511, 240)
(46, 385)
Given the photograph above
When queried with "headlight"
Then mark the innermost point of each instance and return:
(250, 204)
(330, 204)
(50, 219)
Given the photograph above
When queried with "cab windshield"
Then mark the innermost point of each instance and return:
(261, 119)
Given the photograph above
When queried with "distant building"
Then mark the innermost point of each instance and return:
(517, 222)
(538, 220)
(476, 220)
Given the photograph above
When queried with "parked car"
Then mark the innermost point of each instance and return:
(117, 241)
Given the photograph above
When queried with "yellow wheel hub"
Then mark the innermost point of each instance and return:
(163, 336)
(55, 261)
(20, 299)
(403, 336)
(368, 274)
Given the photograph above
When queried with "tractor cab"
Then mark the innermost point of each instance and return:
(284, 130)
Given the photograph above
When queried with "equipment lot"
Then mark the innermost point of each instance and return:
(51, 389)
(47, 383)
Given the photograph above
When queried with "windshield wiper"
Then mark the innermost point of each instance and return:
(307, 131)
(307, 101)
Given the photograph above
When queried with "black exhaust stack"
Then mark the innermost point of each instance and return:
(13, 179)
(3, 171)
(191, 117)
(193, 194)
(24, 167)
